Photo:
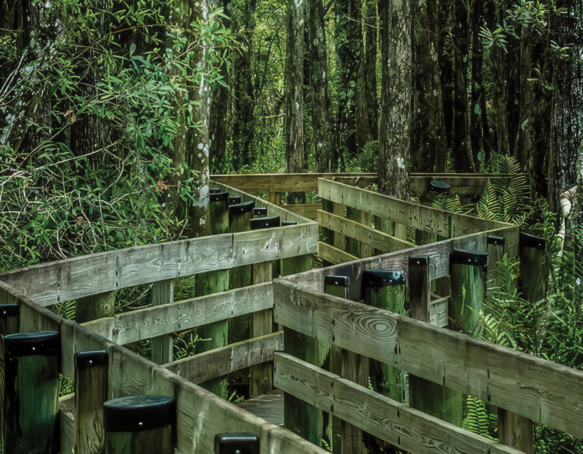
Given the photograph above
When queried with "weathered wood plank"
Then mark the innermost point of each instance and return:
(334, 255)
(66, 280)
(223, 361)
(169, 318)
(67, 423)
(374, 238)
(537, 389)
(309, 211)
(384, 418)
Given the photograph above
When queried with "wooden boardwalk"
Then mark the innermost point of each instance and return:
(343, 331)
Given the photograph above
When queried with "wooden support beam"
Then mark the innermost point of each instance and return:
(155, 321)
(67, 422)
(424, 395)
(223, 361)
(374, 238)
(409, 429)
(162, 346)
(91, 378)
(543, 391)
(95, 306)
(334, 255)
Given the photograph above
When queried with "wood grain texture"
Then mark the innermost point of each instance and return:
(67, 423)
(94, 307)
(222, 361)
(334, 255)
(537, 389)
(155, 441)
(67, 280)
(162, 346)
(374, 238)
(90, 394)
(146, 323)
(409, 429)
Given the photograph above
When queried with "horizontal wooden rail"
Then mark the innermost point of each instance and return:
(306, 210)
(409, 214)
(200, 414)
(352, 229)
(71, 279)
(334, 255)
(222, 361)
(540, 390)
(461, 184)
(401, 426)
(156, 321)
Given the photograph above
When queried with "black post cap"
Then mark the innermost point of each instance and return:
(139, 413)
(87, 360)
(264, 223)
(42, 343)
(215, 190)
(9, 310)
(219, 197)
(236, 444)
(288, 223)
(340, 281)
(439, 187)
(383, 278)
(234, 199)
(261, 211)
(532, 241)
(418, 260)
(472, 258)
(498, 240)
(241, 208)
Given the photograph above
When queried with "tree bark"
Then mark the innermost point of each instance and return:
(326, 160)
(366, 96)
(348, 37)
(395, 123)
(429, 143)
(476, 113)
(294, 100)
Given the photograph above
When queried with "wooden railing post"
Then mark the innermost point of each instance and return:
(515, 430)
(386, 290)
(260, 212)
(215, 335)
(261, 376)
(236, 443)
(9, 314)
(427, 396)
(140, 425)
(91, 378)
(162, 346)
(29, 363)
(93, 307)
(300, 417)
(347, 438)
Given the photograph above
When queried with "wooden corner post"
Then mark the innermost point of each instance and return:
(162, 346)
(140, 425)
(261, 376)
(215, 335)
(431, 398)
(91, 378)
(29, 397)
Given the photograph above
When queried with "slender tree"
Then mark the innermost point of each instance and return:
(326, 159)
(429, 144)
(294, 97)
(395, 123)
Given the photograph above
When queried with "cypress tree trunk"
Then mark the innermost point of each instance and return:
(395, 124)
(476, 113)
(294, 99)
(446, 66)
(244, 88)
(429, 143)
(366, 96)
(326, 159)
(348, 37)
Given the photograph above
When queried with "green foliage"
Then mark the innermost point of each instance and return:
(365, 161)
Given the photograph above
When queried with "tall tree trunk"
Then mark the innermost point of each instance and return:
(219, 107)
(244, 89)
(462, 154)
(366, 96)
(326, 161)
(429, 145)
(395, 124)
(476, 113)
(348, 37)
(446, 67)
(534, 136)
(294, 99)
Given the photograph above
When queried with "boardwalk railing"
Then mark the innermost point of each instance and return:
(339, 337)
(92, 280)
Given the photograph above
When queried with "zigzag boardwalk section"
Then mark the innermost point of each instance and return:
(341, 354)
